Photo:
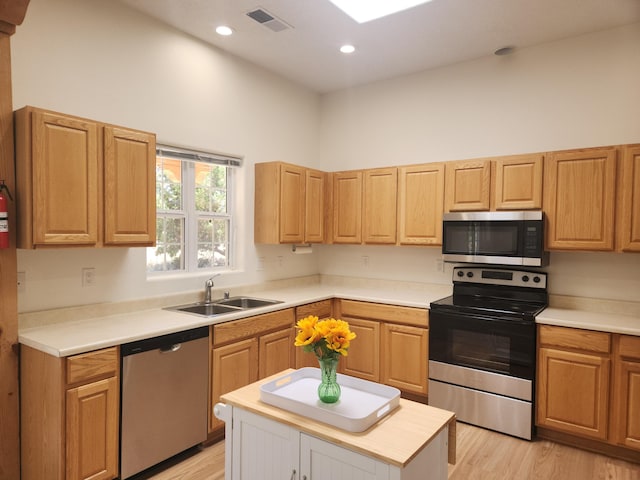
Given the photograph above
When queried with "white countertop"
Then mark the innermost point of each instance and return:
(589, 320)
(64, 338)
(73, 337)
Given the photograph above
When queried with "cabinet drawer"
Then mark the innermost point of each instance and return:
(629, 346)
(88, 366)
(388, 313)
(320, 309)
(252, 326)
(575, 338)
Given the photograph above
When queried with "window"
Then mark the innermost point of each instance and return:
(194, 211)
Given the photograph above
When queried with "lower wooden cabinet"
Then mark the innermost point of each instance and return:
(69, 415)
(92, 430)
(589, 385)
(245, 350)
(391, 345)
(363, 360)
(626, 391)
(573, 391)
(402, 353)
(323, 310)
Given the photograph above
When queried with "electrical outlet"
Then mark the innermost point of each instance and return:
(22, 280)
(439, 265)
(365, 261)
(88, 277)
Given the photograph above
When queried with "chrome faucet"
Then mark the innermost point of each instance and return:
(208, 285)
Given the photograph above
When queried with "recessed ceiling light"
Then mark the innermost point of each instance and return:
(347, 49)
(224, 30)
(364, 11)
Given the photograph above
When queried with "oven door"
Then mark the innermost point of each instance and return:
(476, 341)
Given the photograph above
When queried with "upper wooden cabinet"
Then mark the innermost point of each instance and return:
(468, 185)
(379, 205)
(82, 183)
(517, 182)
(289, 204)
(503, 183)
(579, 199)
(314, 206)
(628, 204)
(129, 187)
(420, 204)
(347, 206)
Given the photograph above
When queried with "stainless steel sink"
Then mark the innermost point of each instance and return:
(206, 309)
(246, 302)
(223, 306)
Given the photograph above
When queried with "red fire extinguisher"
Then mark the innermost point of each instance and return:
(4, 217)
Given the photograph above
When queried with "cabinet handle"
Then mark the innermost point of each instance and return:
(293, 474)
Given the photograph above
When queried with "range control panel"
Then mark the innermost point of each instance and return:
(500, 276)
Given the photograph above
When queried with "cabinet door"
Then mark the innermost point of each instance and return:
(322, 310)
(233, 366)
(626, 393)
(292, 203)
(321, 460)
(404, 356)
(420, 204)
(347, 207)
(467, 185)
(276, 352)
(65, 180)
(129, 187)
(573, 392)
(262, 448)
(380, 211)
(518, 182)
(629, 206)
(363, 360)
(314, 211)
(579, 196)
(92, 430)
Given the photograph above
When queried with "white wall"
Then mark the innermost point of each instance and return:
(101, 60)
(579, 92)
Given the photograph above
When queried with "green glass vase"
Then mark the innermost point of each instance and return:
(328, 390)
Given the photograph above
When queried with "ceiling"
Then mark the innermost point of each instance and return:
(434, 34)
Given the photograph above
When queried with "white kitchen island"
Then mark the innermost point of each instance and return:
(414, 441)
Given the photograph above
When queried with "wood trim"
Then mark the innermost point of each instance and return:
(252, 326)
(9, 393)
(93, 365)
(12, 13)
(418, 317)
(594, 446)
(42, 389)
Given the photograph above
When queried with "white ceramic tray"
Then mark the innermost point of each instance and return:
(362, 403)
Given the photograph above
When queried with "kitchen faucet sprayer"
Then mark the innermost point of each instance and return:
(208, 285)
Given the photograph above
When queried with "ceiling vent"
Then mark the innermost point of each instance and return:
(269, 20)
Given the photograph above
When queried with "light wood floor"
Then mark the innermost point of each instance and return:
(482, 455)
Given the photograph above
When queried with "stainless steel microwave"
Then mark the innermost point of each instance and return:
(502, 238)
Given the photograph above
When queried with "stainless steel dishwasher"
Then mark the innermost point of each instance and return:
(164, 398)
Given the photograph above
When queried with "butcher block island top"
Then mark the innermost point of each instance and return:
(396, 438)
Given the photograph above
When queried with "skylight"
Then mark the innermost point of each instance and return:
(365, 10)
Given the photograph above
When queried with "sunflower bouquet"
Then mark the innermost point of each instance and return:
(328, 338)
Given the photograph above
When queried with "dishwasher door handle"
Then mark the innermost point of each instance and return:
(171, 348)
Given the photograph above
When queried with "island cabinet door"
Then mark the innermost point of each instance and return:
(262, 449)
(321, 460)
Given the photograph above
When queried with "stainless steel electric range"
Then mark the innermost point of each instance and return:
(482, 347)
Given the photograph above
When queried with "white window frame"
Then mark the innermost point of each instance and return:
(188, 159)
